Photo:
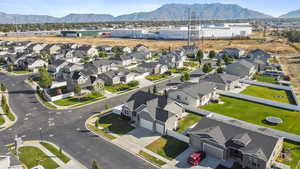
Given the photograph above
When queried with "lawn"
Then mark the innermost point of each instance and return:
(167, 147)
(122, 87)
(256, 113)
(71, 101)
(156, 77)
(294, 149)
(45, 102)
(268, 93)
(101, 132)
(265, 79)
(2, 121)
(21, 72)
(32, 156)
(179, 70)
(56, 152)
(114, 124)
(152, 158)
(190, 64)
(188, 121)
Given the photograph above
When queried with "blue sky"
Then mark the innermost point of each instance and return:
(119, 7)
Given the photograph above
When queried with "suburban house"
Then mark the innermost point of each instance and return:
(52, 49)
(85, 81)
(236, 53)
(56, 67)
(35, 47)
(74, 56)
(123, 60)
(116, 77)
(172, 59)
(105, 48)
(88, 50)
(190, 51)
(19, 47)
(99, 66)
(194, 94)
(152, 68)
(223, 81)
(152, 112)
(231, 143)
(141, 55)
(124, 49)
(241, 68)
(259, 58)
(69, 69)
(140, 48)
(32, 63)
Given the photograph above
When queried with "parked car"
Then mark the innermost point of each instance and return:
(195, 158)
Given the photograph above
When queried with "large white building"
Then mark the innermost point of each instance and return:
(224, 31)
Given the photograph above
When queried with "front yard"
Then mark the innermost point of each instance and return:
(32, 156)
(156, 77)
(114, 124)
(265, 79)
(120, 88)
(152, 158)
(268, 93)
(188, 121)
(256, 113)
(72, 101)
(179, 70)
(167, 147)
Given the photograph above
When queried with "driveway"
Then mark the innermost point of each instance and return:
(181, 162)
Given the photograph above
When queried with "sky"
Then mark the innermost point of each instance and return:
(60, 8)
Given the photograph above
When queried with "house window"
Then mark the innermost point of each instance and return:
(134, 113)
(178, 97)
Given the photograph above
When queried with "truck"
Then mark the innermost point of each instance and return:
(195, 158)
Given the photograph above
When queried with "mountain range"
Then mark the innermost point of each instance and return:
(165, 12)
(292, 14)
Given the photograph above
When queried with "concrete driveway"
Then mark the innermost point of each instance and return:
(181, 162)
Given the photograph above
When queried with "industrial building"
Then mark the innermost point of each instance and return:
(83, 33)
(224, 31)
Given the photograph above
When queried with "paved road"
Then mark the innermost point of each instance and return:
(66, 127)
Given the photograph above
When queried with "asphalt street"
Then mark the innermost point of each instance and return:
(66, 127)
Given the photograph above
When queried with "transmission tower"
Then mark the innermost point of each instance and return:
(193, 28)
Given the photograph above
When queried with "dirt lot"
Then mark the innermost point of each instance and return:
(274, 46)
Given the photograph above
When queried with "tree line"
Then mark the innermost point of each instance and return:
(293, 36)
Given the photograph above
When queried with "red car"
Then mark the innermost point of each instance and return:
(195, 158)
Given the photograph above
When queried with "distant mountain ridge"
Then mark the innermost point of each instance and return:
(292, 14)
(165, 12)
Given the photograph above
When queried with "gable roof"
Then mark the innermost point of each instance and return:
(223, 78)
(258, 144)
(239, 68)
(196, 90)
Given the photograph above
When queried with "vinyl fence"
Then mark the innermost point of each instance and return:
(178, 136)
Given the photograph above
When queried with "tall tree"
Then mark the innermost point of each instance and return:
(185, 77)
(212, 54)
(154, 89)
(3, 88)
(207, 68)
(199, 55)
(95, 165)
(45, 80)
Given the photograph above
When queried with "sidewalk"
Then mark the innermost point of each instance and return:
(8, 123)
(72, 164)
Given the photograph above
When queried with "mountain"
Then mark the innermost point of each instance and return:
(204, 11)
(166, 12)
(292, 14)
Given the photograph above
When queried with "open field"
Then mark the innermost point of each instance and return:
(274, 46)
(268, 93)
(256, 113)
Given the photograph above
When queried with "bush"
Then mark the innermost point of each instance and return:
(133, 83)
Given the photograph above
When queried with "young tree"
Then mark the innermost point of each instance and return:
(45, 80)
(10, 68)
(199, 55)
(77, 89)
(212, 54)
(102, 54)
(220, 70)
(227, 58)
(207, 68)
(95, 165)
(219, 62)
(185, 77)
(3, 88)
(154, 89)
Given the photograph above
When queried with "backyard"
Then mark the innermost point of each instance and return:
(188, 121)
(265, 79)
(268, 93)
(32, 156)
(256, 113)
(167, 147)
(72, 101)
(114, 124)
(294, 150)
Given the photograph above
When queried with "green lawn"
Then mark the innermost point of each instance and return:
(188, 121)
(256, 113)
(120, 88)
(70, 101)
(294, 149)
(45, 102)
(101, 132)
(167, 147)
(2, 121)
(152, 158)
(21, 72)
(191, 64)
(32, 156)
(179, 70)
(56, 152)
(267, 93)
(114, 124)
(156, 77)
(265, 79)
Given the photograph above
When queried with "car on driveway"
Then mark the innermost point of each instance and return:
(195, 158)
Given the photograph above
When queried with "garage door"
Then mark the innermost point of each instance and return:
(146, 124)
(213, 151)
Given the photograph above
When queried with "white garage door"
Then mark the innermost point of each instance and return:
(213, 151)
(146, 124)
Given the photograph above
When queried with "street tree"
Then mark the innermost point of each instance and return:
(154, 89)
(45, 80)
(185, 77)
(207, 68)
(95, 165)
(2, 87)
(219, 62)
(199, 56)
(227, 59)
(220, 70)
(212, 54)
(77, 89)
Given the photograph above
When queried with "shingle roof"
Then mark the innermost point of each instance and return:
(260, 144)
(239, 68)
(223, 78)
(197, 89)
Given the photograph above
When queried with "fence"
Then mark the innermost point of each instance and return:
(197, 111)
(58, 97)
(178, 136)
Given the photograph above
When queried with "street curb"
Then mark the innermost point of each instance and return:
(107, 140)
(16, 117)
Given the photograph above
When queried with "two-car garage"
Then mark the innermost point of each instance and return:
(213, 151)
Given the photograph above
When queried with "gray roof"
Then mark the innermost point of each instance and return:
(239, 68)
(196, 89)
(149, 65)
(223, 78)
(227, 135)
(58, 62)
(122, 57)
(116, 73)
